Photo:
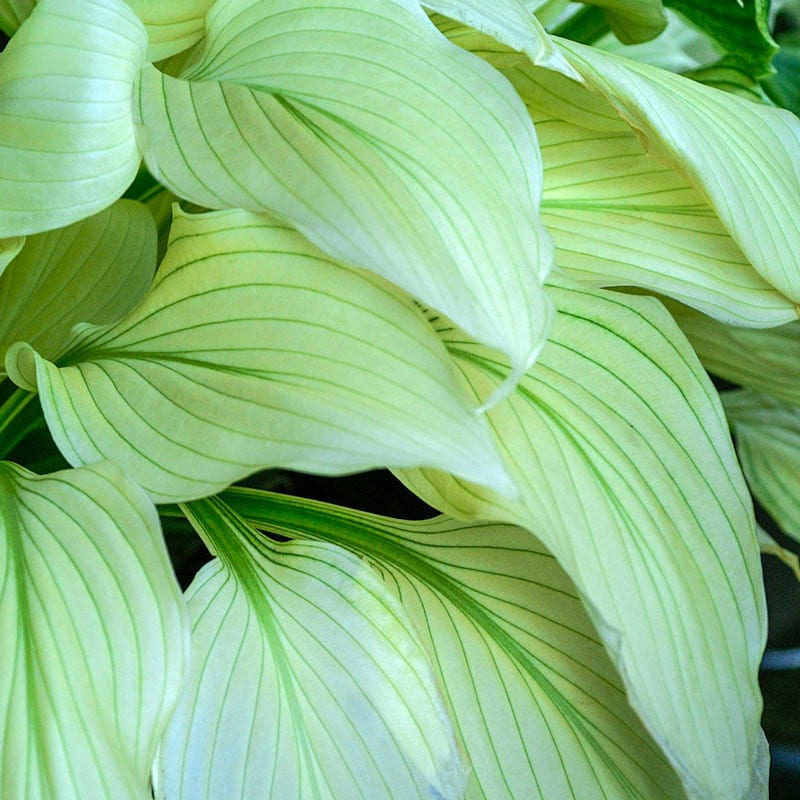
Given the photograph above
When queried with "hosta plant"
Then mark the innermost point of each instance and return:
(490, 246)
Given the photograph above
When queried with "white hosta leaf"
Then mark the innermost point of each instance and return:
(618, 446)
(539, 708)
(619, 216)
(384, 144)
(307, 680)
(171, 27)
(765, 360)
(93, 633)
(768, 442)
(67, 142)
(742, 156)
(94, 270)
(510, 23)
(253, 349)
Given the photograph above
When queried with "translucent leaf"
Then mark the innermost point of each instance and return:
(67, 143)
(93, 633)
(171, 27)
(253, 349)
(510, 23)
(765, 360)
(621, 217)
(412, 158)
(618, 446)
(742, 156)
(307, 680)
(539, 708)
(768, 442)
(94, 270)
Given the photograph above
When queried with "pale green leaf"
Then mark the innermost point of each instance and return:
(765, 360)
(633, 20)
(172, 26)
(307, 680)
(510, 23)
(12, 12)
(621, 217)
(67, 143)
(94, 270)
(251, 350)
(93, 633)
(768, 442)
(539, 708)
(387, 146)
(743, 157)
(619, 448)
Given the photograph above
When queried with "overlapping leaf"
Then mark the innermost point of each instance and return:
(307, 680)
(618, 215)
(253, 349)
(94, 270)
(171, 27)
(92, 631)
(619, 448)
(743, 157)
(539, 709)
(765, 360)
(768, 442)
(633, 20)
(67, 142)
(12, 12)
(385, 145)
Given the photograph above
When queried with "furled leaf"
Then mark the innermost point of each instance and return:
(765, 360)
(307, 680)
(253, 349)
(94, 270)
(633, 20)
(509, 22)
(9, 248)
(741, 27)
(768, 442)
(385, 145)
(12, 12)
(540, 710)
(93, 635)
(67, 143)
(618, 215)
(171, 27)
(742, 156)
(618, 446)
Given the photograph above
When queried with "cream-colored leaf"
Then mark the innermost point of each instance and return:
(67, 142)
(540, 710)
(619, 448)
(307, 680)
(172, 26)
(253, 349)
(94, 270)
(93, 633)
(387, 146)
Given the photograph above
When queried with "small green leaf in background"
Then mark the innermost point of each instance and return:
(12, 12)
(633, 20)
(253, 349)
(626, 472)
(93, 633)
(539, 709)
(307, 680)
(768, 442)
(740, 27)
(67, 142)
(94, 270)
(423, 170)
